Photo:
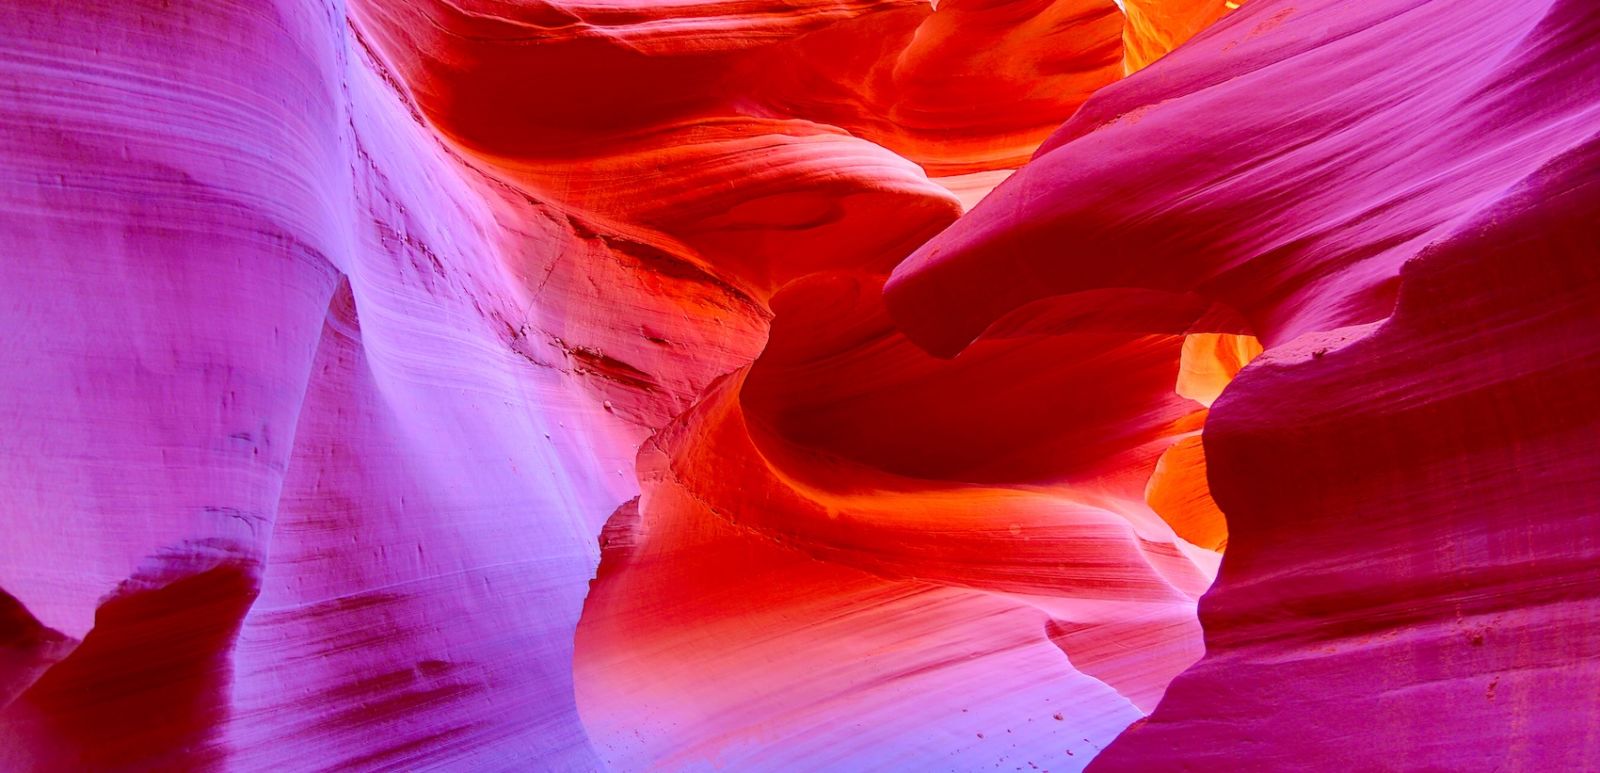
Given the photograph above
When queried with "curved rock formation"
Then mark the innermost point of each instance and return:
(331, 362)
(498, 384)
(1404, 469)
(281, 488)
(917, 582)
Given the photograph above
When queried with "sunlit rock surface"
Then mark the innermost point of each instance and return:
(1398, 199)
(501, 385)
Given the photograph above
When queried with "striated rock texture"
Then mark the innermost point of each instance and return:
(634, 385)
(296, 473)
(336, 330)
(1399, 199)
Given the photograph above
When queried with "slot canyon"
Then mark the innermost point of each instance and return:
(800, 385)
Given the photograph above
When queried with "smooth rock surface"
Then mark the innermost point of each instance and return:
(1398, 199)
(641, 385)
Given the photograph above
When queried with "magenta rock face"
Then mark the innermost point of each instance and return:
(640, 385)
(1406, 471)
(269, 461)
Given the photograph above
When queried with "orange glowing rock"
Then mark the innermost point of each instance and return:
(497, 384)
(1179, 493)
(1210, 361)
(1154, 27)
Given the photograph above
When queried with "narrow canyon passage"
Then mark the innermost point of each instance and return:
(842, 526)
(889, 385)
(911, 547)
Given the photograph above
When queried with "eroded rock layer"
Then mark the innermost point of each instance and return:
(493, 384)
(1398, 198)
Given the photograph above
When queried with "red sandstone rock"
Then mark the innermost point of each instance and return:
(1397, 198)
(340, 335)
